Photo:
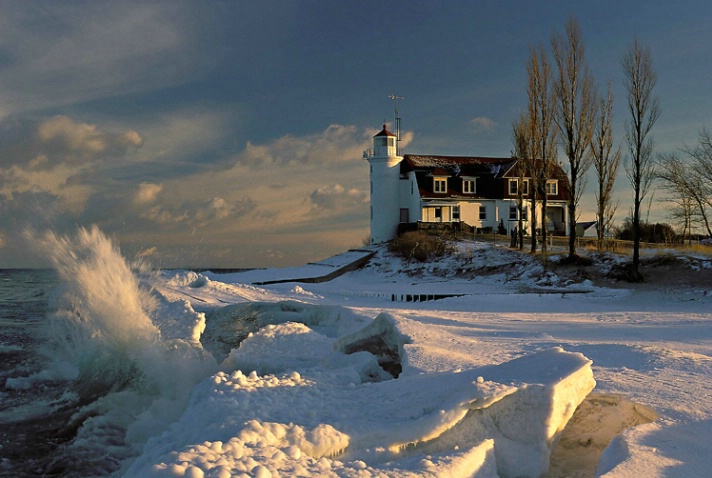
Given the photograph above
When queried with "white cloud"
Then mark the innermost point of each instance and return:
(162, 216)
(77, 136)
(217, 209)
(64, 157)
(147, 193)
(482, 124)
(60, 140)
(336, 198)
(70, 140)
(337, 143)
(214, 211)
(280, 200)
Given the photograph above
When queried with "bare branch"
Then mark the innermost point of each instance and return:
(575, 113)
(606, 162)
(644, 109)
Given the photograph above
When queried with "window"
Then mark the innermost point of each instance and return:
(552, 187)
(440, 185)
(468, 186)
(456, 213)
(483, 213)
(513, 213)
(438, 213)
(513, 187)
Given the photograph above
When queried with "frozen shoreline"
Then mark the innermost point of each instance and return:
(641, 341)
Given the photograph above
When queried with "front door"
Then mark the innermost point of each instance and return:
(555, 219)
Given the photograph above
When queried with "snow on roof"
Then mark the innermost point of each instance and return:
(433, 161)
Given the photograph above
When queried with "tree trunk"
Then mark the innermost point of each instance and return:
(572, 220)
(544, 227)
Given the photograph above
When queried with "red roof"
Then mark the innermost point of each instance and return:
(384, 132)
(491, 174)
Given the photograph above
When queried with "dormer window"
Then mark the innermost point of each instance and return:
(469, 185)
(440, 185)
(513, 187)
(552, 187)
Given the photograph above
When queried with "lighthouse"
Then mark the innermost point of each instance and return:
(384, 164)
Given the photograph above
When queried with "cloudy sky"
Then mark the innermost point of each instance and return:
(230, 134)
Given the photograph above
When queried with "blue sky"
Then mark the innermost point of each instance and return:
(229, 134)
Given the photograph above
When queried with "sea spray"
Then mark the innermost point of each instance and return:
(100, 311)
(105, 340)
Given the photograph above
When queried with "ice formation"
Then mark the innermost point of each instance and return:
(291, 401)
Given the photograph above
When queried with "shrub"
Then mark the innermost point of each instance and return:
(625, 272)
(420, 246)
(662, 259)
(575, 260)
(649, 232)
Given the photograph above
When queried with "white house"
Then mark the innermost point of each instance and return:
(468, 192)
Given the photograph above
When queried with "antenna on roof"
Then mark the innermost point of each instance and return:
(395, 98)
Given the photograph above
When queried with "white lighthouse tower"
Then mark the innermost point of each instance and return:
(384, 165)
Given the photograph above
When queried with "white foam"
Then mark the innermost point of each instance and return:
(132, 356)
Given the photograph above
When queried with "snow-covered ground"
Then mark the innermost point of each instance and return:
(514, 370)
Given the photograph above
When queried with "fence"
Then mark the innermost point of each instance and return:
(562, 243)
(555, 242)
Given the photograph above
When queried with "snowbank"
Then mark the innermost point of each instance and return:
(484, 387)
(292, 401)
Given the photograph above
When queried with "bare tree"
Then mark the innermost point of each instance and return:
(605, 162)
(684, 211)
(639, 80)
(520, 136)
(674, 178)
(702, 171)
(575, 113)
(542, 135)
(689, 181)
(703, 155)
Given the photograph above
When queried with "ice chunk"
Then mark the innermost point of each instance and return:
(228, 326)
(500, 420)
(382, 338)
